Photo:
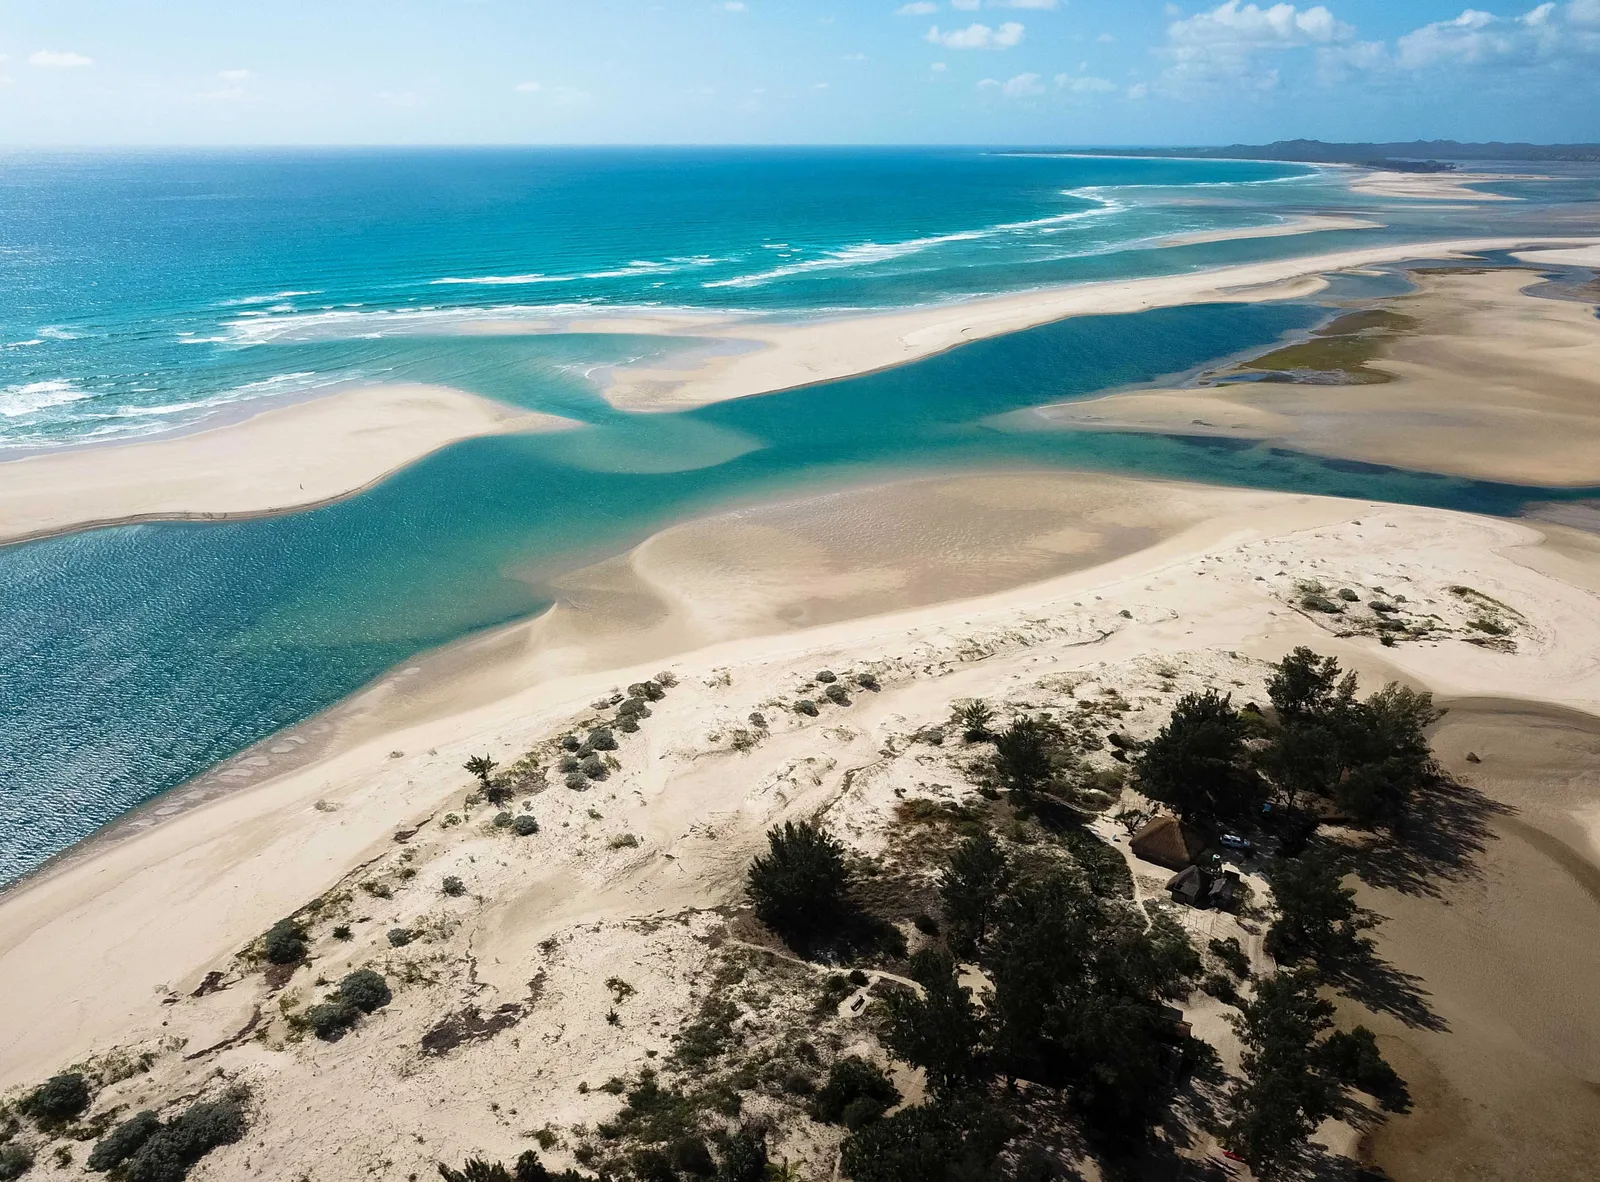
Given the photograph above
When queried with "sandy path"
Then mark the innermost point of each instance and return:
(287, 457)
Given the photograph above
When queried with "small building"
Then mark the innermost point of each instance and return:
(1168, 842)
(1198, 887)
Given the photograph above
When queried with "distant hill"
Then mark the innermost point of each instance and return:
(1417, 155)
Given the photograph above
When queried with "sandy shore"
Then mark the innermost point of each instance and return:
(1434, 186)
(799, 354)
(1139, 580)
(1585, 256)
(287, 457)
(1488, 382)
(1307, 224)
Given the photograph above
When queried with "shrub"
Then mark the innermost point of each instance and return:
(285, 942)
(330, 1019)
(1231, 955)
(525, 825)
(400, 937)
(15, 1161)
(342, 932)
(169, 1152)
(837, 694)
(577, 781)
(628, 725)
(366, 990)
(1022, 756)
(570, 742)
(745, 1159)
(868, 682)
(453, 886)
(1349, 596)
(568, 763)
(602, 739)
(689, 1155)
(124, 1141)
(594, 768)
(59, 1098)
(624, 841)
(799, 885)
(975, 718)
(925, 923)
(853, 1079)
(632, 710)
(807, 707)
(502, 820)
(650, 690)
(826, 677)
(1221, 987)
(528, 1168)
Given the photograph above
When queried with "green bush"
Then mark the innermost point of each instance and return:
(837, 694)
(285, 942)
(601, 739)
(400, 937)
(577, 781)
(594, 767)
(852, 1079)
(807, 707)
(169, 1152)
(502, 820)
(330, 1019)
(366, 990)
(568, 763)
(744, 1160)
(1221, 987)
(59, 1098)
(15, 1161)
(453, 886)
(826, 677)
(342, 932)
(525, 825)
(1231, 955)
(124, 1141)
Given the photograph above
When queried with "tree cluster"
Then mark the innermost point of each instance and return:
(148, 1149)
(1215, 765)
(1078, 981)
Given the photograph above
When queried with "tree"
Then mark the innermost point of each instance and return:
(800, 885)
(1022, 756)
(974, 881)
(285, 942)
(1387, 752)
(366, 990)
(1304, 758)
(1306, 687)
(745, 1159)
(940, 1031)
(1317, 914)
(1352, 1057)
(1284, 1094)
(1197, 763)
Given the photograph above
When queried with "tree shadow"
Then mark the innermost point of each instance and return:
(1365, 977)
(1437, 842)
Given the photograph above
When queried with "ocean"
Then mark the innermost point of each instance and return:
(141, 292)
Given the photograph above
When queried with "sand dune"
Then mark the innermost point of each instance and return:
(286, 457)
(1140, 579)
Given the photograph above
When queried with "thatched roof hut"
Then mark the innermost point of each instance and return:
(1168, 842)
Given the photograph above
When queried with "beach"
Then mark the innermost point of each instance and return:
(1147, 588)
(273, 460)
(1479, 378)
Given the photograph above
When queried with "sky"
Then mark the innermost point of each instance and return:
(1056, 72)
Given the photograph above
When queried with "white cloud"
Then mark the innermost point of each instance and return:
(967, 5)
(1551, 34)
(49, 59)
(978, 36)
(733, 6)
(1084, 84)
(1222, 46)
(233, 75)
(1105, 39)
(1022, 86)
(918, 8)
(1021, 4)
(855, 57)
(819, 86)
(528, 87)
(938, 67)
(1139, 90)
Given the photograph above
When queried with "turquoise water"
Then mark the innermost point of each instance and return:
(133, 658)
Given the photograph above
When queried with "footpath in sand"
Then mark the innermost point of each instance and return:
(1135, 592)
(1470, 376)
(280, 459)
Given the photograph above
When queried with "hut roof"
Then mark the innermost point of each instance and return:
(1168, 842)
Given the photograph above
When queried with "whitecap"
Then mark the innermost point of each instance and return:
(32, 397)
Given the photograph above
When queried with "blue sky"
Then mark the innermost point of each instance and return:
(793, 71)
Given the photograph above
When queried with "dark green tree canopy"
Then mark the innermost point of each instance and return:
(1198, 763)
(800, 886)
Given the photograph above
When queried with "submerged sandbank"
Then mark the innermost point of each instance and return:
(284, 458)
(1484, 381)
(1435, 186)
(1290, 227)
(805, 353)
